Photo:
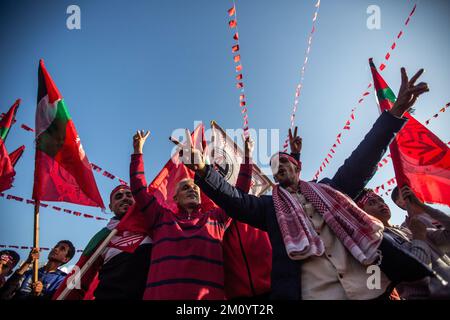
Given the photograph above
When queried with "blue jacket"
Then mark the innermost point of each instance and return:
(351, 178)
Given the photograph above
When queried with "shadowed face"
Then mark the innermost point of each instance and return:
(377, 208)
(285, 172)
(188, 194)
(121, 200)
(59, 253)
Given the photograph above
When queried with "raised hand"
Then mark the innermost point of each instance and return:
(414, 205)
(295, 141)
(192, 158)
(249, 146)
(139, 141)
(408, 93)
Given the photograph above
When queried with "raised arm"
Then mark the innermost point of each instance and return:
(237, 204)
(360, 167)
(244, 180)
(440, 237)
(146, 202)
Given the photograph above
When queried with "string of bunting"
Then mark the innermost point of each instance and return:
(95, 167)
(235, 49)
(384, 190)
(347, 125)
(55, 208)
(385, 160)
(10, 246)
(299, 87)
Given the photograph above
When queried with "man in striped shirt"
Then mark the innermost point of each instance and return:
(187, 256)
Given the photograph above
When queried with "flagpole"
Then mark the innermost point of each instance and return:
(36, 240)
(77, 278)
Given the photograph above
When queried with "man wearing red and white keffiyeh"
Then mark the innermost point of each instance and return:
(322, 243)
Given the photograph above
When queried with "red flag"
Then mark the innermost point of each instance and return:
(232, 23)
(16, 154)
(7, 172)
(232, 11)
(62, 169)
(239, 77)
(237, 58)
(236, 36)
(239, 68)
(239, 85)
(235, 48)
(421, 160)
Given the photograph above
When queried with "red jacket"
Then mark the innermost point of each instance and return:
(247, 253)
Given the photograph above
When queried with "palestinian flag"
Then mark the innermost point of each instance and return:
(62, 169)
(8, 119)
(421, 160)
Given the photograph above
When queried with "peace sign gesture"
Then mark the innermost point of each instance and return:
(192, 158)
(139, 141)
(408, 93)
(295, 141)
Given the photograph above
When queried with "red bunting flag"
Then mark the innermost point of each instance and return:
(232, 23)
(235, 48)
(232, 11)
(237, 58)
(421, 160)
(239, 68)
(239, 76)
(236, 36)
(239, 85)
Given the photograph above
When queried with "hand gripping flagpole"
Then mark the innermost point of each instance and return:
(77, 276)
(36, 241)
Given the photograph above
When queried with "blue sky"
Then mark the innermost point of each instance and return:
(161, 65)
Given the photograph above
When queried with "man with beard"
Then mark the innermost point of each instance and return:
(123, 265)
(322, 243)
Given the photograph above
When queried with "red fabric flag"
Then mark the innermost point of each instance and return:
(421, 160)
(62, 169)
(239, 76)
(16, 154)
(232, 23)
(235, 48)
(242, 97)
(232, 11)
(239, 85)
(7, 172)
(237, 58)
(239, 68)
(236, 36)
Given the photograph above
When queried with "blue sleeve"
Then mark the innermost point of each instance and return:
(238, 205)
(360, 167)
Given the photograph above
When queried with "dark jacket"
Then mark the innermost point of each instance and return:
(350, 179)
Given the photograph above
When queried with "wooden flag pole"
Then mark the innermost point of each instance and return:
(36, 240)
(77, 277)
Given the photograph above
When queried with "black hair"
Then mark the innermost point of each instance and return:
(395, 194)
(15, 256)
(71, 251)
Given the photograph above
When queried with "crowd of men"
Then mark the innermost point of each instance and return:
(307, 240)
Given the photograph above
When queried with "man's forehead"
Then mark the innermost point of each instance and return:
(189, 182)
